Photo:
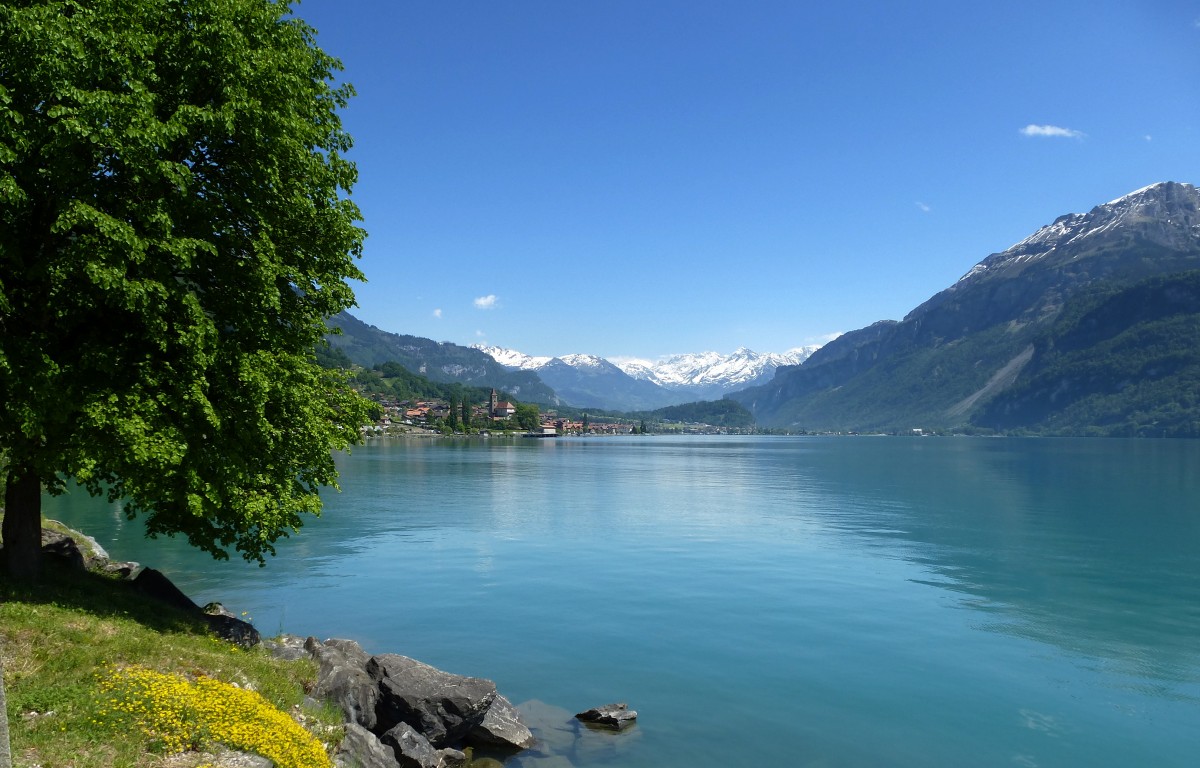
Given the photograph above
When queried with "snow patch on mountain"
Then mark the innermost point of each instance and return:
(511, 358)
(706, 373)
(1171, 207)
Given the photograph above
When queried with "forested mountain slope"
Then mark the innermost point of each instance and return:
(949, 360)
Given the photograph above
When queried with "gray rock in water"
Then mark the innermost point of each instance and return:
(502, 726)
(363, 749)
(615, 716)
(452, 758)
(442, 706)
(343, 679)
(411, 748)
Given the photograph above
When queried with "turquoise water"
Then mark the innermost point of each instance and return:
(765, 601)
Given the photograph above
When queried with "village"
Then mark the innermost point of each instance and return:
(437, 416)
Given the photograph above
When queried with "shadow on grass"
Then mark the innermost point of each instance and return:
(62, 584)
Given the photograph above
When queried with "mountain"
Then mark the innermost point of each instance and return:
(711, 375)
(587, 381)
(626, 384)
(368, 346)
(964, 357)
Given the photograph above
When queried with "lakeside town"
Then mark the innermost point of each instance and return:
(433, 416)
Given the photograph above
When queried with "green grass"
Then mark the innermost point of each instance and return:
(62, 636)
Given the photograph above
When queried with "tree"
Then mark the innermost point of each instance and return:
(527, 417)
(175, 230)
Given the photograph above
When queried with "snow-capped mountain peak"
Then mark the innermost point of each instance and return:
(674, 379)
(584, 361)
(1166, 213)
(511, 358)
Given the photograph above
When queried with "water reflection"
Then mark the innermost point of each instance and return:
(963, 601)
(1091, 546)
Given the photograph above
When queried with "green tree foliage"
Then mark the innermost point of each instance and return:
(392, 380)
(1121, 360)
(718, 413)
(175, 233)
(527, 416)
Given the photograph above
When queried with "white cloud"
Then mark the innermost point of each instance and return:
(924, 207)
(438, 313)
(823, 339)
(1053, 131)
(1148, 137)
(480, 335)
(486, 302)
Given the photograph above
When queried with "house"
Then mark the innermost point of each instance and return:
(500, 409)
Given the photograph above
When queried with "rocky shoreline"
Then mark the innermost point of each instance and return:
(398, 712)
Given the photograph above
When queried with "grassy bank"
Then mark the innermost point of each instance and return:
(94, 676)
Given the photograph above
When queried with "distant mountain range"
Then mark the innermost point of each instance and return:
(631, 384)
(1091, 325)
(584, 381)
(369, 346)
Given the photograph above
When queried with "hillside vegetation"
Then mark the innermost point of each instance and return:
(443, 362)
(97, 675)
(1122, 362)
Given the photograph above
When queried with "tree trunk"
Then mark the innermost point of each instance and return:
(22, 530)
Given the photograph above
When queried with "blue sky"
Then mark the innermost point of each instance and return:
(657, 177)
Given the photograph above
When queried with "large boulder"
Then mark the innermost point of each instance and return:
(502, 727)
(233, 630)
(343, 679)
(411, 748)
(362, 749)
(63, 547)
(442, 706)
(287, 648)
(154, 584)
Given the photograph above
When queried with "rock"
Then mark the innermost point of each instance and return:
(443, 706)
(615, 716)
(241, 760)
(287, 647)
(88, 547)
(123, 571)
(502, 726)
(412, 749)
(233, 630)
(343, 679)
(216, 609)
(63, 546)
(363, 749)
(559, 733)
(451, 758)
(152, 583)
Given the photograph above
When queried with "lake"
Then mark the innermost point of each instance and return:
(801, 601)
